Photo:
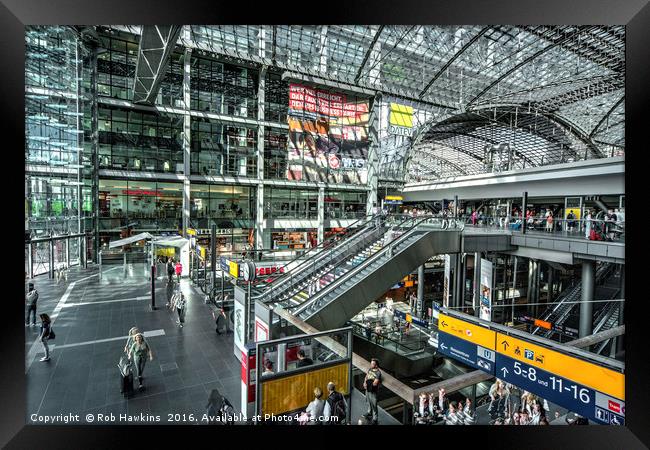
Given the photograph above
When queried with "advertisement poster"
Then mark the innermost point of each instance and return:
(328, 136)
(445, 289)
(485, 290)
(240, 325)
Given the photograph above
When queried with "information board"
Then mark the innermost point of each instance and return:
(586, 388)
(468, 343)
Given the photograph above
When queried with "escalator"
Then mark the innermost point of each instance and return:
(360, 279)
(607, 320)
(562, 308)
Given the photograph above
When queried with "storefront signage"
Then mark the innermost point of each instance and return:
(140, 192)
(400, 120)
(589, 389)
(466, 342)
(410, 319)
(485, 290)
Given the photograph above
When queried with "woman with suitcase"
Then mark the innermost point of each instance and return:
(138, 354)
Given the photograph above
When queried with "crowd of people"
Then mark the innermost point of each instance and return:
(507, 406)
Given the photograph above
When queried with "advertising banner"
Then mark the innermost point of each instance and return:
(445, 289)
(400, 120)
(485, 290)
(328, 136)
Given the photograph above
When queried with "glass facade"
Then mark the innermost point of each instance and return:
(226, 206)
(291, 204)
(345, 205)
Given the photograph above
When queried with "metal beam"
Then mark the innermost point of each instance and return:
(601, 336)
(526, 61)
(368, 52)
(611, 110)
(452, 59)
(156, 45)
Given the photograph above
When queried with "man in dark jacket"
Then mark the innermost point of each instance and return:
(336, 407)
(32, 298)
(303, 360)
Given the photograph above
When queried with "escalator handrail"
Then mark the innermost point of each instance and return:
(335, 284)
(323, 256)
(314, 254)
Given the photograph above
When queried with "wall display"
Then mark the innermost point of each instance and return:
(328, 136)
(586, 388)
(468, 343)
(485, 290)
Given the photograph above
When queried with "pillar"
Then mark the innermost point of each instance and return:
(514, 287)
(260, 222)
(67, 252)
(586, 305)
(458, 269)
(462, 279)
(30, 261)
(95, 153)
(373, 160)
(477, 283)
(186, 141)
(51, 258)
(621, 320)
(551, 273)
(321, 214)
(420, 302)
(524, 202)
(530, 294)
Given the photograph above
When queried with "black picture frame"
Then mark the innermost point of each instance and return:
(635, 14)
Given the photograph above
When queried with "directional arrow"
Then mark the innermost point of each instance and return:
(505, 371)
(505, 344)
(443, 346)
(444, 324)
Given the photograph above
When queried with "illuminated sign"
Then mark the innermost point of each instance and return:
(400, 120)
(583, 387)
(233, 268)
(469, 343)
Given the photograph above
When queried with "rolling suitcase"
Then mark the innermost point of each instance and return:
(126, 376)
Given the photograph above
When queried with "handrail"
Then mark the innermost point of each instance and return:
(325, 244)
(326, 257)
(334, 285)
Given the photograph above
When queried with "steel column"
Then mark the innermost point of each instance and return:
(420, 301)
(477, 283)
(321, 214)
(187, 129)
(524, 202)
(30, 260)
(51, 258)
(586, 305)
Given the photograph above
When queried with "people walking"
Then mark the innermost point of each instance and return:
(179, 270)
(32, 298)
(180, 308)
(334, 412)
(170, 269)
(588, 224)
(131, 339)
(138, 353)
(371, 385)
(45, 335)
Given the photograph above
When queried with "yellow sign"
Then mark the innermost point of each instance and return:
(475, 334)
(401, 115)
(191, 231)
(234, 268)
(394, 197)
(588, 374)
(296, 391)
(575, 211)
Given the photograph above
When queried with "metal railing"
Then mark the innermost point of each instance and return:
(409, 226)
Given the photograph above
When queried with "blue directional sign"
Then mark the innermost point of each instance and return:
(575, 397)
(466, 352)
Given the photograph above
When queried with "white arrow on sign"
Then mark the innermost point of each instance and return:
(505, 371)
(443, 346)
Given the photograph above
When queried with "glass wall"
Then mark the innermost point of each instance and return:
(140, 141)
(223, 88)
(116, 62)
(53, 135)
(291, 204)
(142, 205)
(345, 205)
(275, 153)
(226, 206)
(221, 149)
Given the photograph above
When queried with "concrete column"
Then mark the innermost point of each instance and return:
(586, 307)
(420, 302)
(621, 319)
(458, 269)
(524, 201)
(260, 222)
(530, 294)
(477, 283)
(51, 258)
(373, 160)
(186, 141)
(321, 214)
(30, 260)
(463, 276)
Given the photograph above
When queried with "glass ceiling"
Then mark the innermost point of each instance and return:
(570, 76)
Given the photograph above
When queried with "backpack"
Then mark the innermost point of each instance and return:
(337, 407)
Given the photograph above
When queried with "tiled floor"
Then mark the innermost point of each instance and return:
(81, 379)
